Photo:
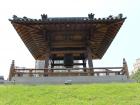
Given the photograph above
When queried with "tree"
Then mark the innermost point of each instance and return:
(136, 76)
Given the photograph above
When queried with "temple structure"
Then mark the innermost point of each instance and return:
(66, 46)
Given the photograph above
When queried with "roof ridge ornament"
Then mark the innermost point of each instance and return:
(15, 17)
(44, 16)
(91, 16)
(120, 16)
(110, 16)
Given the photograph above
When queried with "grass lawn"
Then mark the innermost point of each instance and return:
(79, 94)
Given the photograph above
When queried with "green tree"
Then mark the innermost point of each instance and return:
(136, 76)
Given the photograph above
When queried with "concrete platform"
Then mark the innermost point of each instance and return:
(73, 79)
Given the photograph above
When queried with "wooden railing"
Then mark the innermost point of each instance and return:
(70, 71)
(96, 71)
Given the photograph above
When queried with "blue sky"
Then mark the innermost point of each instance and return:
(125, 45)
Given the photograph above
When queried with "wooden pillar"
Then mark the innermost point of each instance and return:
(84, 65)
(107, 71)
(30, 73)
(52, 65)
(90, 63)
(125, 68)
(46, 65)
(47, 55)
(12, 70)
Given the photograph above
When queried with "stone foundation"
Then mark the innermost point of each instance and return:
(73, 79)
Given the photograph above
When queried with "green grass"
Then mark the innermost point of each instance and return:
(84, 94)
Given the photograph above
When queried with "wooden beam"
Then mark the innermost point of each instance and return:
(67, 52)
(61, 64)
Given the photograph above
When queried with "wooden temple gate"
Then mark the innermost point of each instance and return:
(68, 39)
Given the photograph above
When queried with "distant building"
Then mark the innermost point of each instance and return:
(136, 65)
(1, 79)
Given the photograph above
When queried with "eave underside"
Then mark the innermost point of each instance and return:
(67, 37)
